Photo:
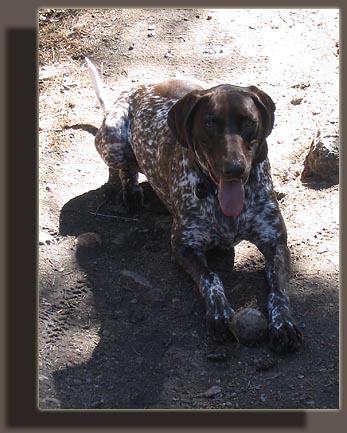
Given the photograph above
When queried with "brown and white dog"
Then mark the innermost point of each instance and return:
(204, 152)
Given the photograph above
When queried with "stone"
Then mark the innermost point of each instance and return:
(322, 159)
(213, 391)
(88, 240)
(45, 239)
(138, 278)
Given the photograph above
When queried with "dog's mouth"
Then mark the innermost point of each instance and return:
(231, 194)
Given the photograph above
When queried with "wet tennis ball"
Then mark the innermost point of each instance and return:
(249, 326)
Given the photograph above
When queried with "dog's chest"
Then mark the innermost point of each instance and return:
(200, 219)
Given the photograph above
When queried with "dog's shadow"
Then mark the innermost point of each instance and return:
(144, 320)
(103, 212)
(94, 210)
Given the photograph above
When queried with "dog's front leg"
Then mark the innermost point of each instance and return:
(284, 334)
(219, 314)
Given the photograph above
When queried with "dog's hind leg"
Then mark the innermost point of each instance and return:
(112, 143)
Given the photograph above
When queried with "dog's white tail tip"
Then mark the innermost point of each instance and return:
(97, 84)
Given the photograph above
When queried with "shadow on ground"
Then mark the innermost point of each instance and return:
(152, 349)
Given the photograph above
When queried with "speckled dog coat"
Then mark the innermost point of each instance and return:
(204, 153)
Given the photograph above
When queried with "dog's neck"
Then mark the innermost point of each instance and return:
(206, 186)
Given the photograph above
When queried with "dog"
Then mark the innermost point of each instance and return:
(204, 153)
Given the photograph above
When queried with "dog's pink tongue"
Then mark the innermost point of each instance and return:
(231, 197)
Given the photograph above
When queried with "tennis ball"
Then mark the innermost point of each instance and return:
(249, 326)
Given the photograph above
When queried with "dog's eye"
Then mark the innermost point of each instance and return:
(208, 123)
(248, 123)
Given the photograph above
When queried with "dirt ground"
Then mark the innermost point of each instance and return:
(121, 325)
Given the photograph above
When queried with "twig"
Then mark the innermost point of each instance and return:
(114, 216)
(275, 376)
(99, 207)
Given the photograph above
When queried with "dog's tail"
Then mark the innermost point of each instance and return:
(97, 84)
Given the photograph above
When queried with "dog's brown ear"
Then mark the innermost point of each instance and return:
(267, 109)
(180, 117)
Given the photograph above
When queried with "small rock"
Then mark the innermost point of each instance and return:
(140, 279)
(209, 51)
(88, 240)
(50, 187)
(106, 333)
(217, 357)
(77, 381)
(264, 363)
(52, 402)
(297, 100)
(43, 378)
(119, 239)
(323, 157)
(302, 85)
(46, 73)
(280, 195)
(195, 364)
(45, 238)
(96, 404)
(213, 391)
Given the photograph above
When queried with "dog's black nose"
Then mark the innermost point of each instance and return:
(234, 169)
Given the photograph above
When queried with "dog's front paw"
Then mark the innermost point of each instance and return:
(133, 199)
(285, 336)
(219, 316)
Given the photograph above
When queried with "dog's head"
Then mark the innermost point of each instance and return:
(225, 130)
